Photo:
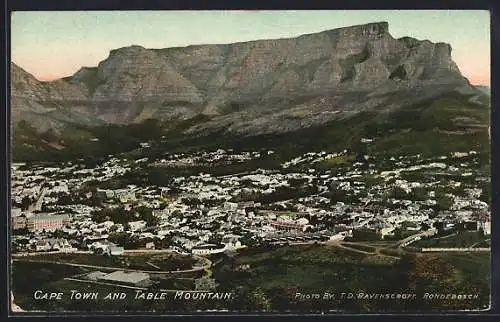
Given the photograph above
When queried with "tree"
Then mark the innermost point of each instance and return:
(486, 193)
(59, 234)
(25, 203)
(419, 193)
(251, 299)
(444, 202)
(439, 225)
(297, 182)
(65, 199)
(147, 215)
(159, 177)
(248, 239)
(399, 193)
(163, 243)
(125, 240)
(337, 193)
(193, 202)
(118, 215)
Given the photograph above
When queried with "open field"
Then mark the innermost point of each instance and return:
(460, 239)
(51, 278)
(147, 262)
(319, 269)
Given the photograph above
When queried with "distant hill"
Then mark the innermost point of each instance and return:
(484, 89)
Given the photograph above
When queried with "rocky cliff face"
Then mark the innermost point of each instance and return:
(249, 88)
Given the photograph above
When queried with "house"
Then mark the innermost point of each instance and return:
(208, 249)
(97, 244)
(164, 192)
(61, 244)
(107, 224)
(387, 231)
(150, 245)
(231, 241)
(105, 194)
(366, 234)
(42, 246)
(288, 225)
(246, 204)
(230, 205)
(113, 250)
(18, 222)
(136, 225)
(106, 248)
(15, 212)
(124, 195)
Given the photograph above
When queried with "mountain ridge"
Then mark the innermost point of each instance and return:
(250, 88)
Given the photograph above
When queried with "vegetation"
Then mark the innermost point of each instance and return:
(25, 283)
(281, 273)
(440, 125)
(121, 216)
(337, 161)
(165, 262)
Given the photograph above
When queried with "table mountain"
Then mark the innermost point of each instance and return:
(248, 88)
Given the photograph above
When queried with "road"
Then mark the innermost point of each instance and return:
(479, 242)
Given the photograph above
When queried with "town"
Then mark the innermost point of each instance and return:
(194, 221)
(314, 197)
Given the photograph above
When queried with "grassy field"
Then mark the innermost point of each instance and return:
(314, 268)
(318, 268)
(50, 278)
(271, 274)
(308, 254)
(148, 262)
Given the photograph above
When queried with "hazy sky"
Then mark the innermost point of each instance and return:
(56, 44)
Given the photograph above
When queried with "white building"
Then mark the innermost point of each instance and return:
(136, 225)
(208, 249)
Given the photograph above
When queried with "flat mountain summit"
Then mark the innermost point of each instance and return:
(248, 88)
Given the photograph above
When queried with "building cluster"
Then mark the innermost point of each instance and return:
(207, 213)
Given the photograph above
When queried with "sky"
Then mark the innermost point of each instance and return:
(55, 44)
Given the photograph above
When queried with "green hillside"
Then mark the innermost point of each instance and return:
(441, 125)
